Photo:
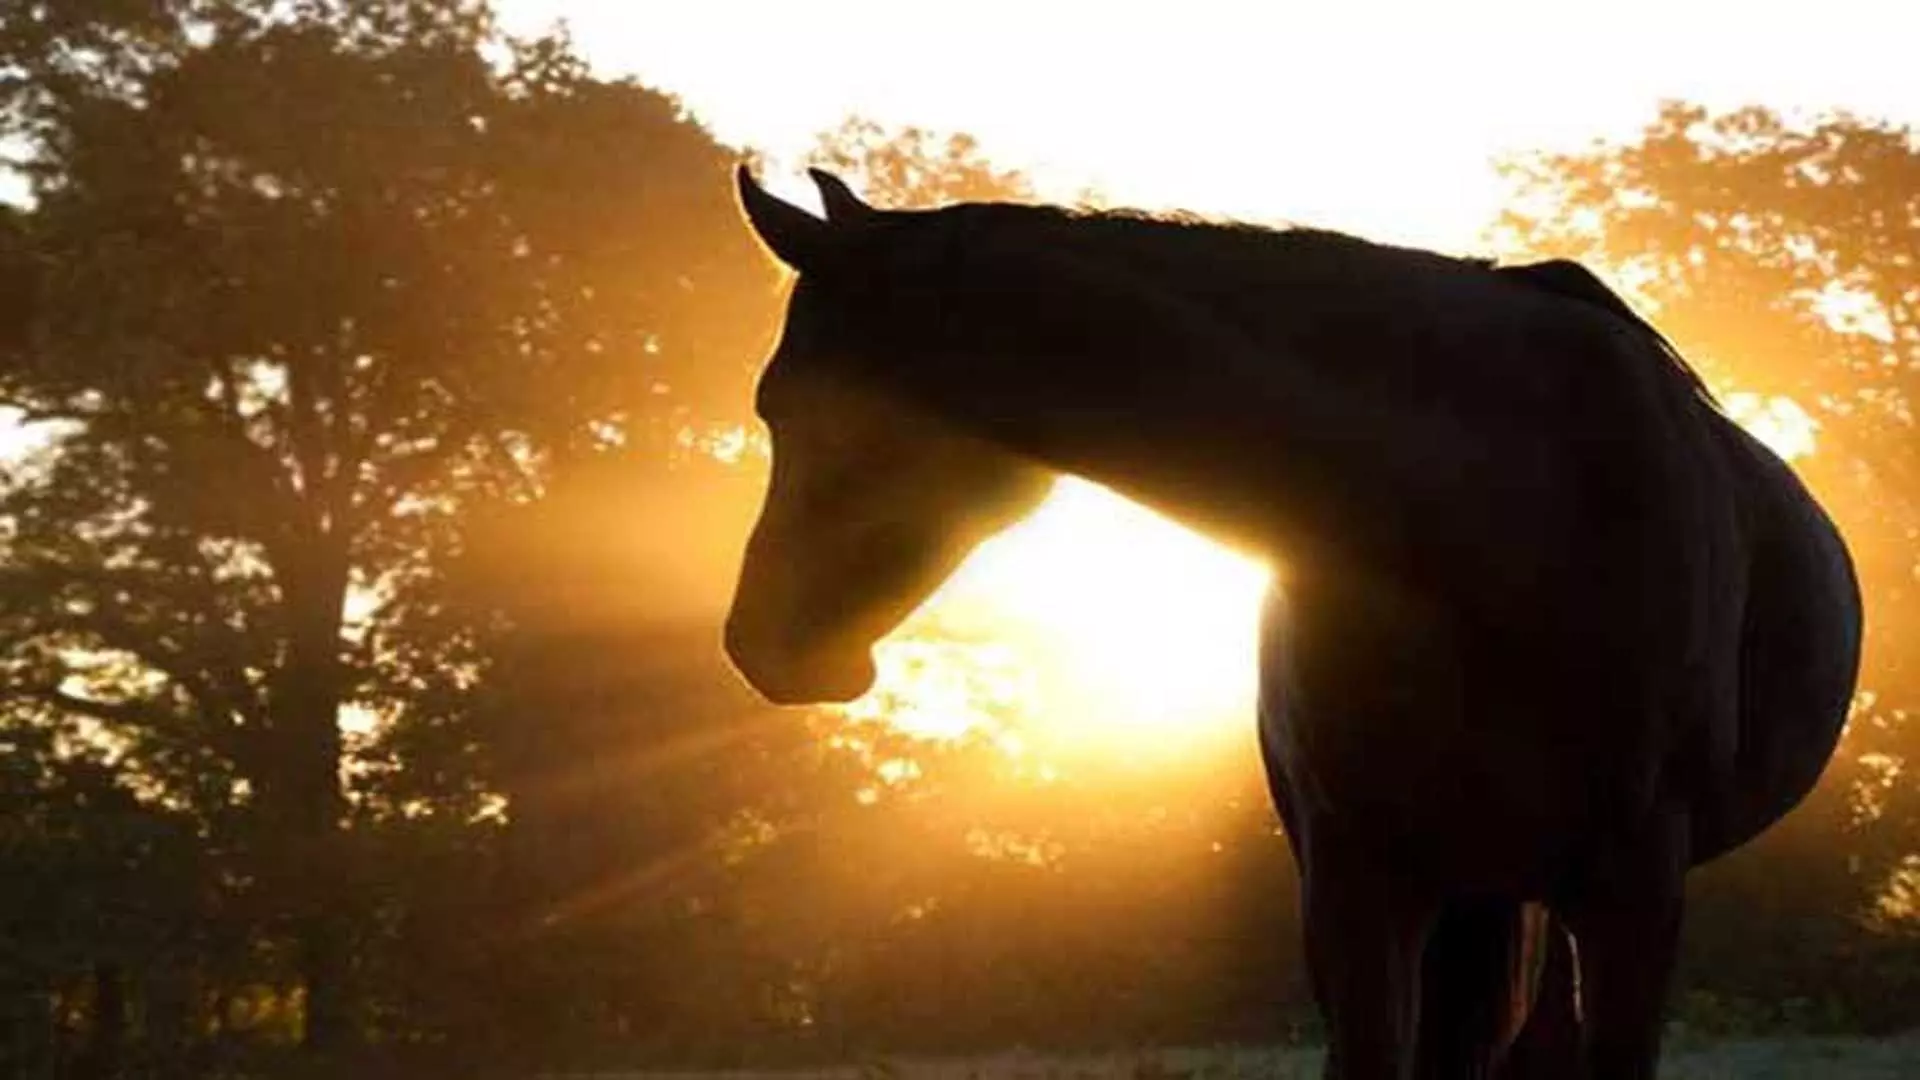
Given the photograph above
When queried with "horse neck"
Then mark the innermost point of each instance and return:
(1103, 372)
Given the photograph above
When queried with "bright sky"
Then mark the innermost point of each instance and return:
(1375, 117)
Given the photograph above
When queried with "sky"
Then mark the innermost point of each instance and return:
(1378, 118)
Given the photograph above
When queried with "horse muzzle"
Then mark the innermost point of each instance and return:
(788, 674)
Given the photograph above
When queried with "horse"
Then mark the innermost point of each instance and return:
(1550, 628)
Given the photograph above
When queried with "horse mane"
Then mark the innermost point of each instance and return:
(1560, 277)
(1121, 224)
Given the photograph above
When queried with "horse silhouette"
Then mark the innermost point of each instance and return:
(1552, 629)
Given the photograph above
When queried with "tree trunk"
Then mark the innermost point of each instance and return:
(310, 803)
(106, 1045)
(168, 1013)
(323, 948)
(26, 1024)
(318, 899)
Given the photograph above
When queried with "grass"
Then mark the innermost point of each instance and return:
(1728, 1059)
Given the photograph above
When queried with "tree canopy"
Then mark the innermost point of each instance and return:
(300, 286)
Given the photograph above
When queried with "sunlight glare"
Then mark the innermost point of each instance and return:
(1777, 421)
(933, 688)
(1094, 618)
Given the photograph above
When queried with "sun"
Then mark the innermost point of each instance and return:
(1093, 620)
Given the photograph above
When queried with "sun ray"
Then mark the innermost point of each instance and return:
(1094, 619)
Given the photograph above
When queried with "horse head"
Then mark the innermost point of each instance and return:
(873, 499)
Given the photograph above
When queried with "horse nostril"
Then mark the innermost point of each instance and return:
(734, 641)
(846, 681)
(747, 650)
(788, 676)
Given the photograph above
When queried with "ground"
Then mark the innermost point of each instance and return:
(1731, 1059)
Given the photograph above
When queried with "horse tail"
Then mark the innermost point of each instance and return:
(1497, 994)
(1472, 997)
(1542, 1037)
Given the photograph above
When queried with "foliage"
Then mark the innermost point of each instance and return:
(913, 168)
(303, 285)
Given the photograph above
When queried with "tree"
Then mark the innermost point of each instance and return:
(306, 282)
(913, 168)
(103, 895)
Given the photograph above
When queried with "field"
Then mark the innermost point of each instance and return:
(1742, 1059)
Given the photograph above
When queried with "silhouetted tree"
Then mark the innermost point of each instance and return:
(305, 281)
(912, 168)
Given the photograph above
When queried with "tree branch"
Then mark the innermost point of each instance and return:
(138, 713)
(404, 475)
(230, 706)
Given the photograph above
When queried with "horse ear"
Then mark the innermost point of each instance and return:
(795, 236)
(842, 205)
